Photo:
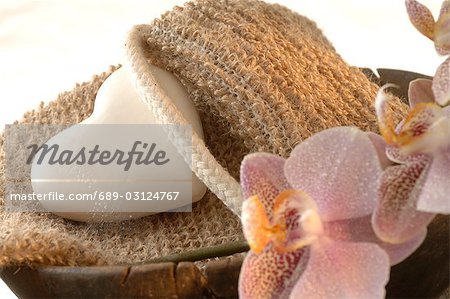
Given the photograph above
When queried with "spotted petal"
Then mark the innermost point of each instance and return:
(421, 17)
(420, 91)
(435, 196)
(297, 222)
(398, 156)
(424, 130)
(441, 83)
(271, 274)
(294, 224)
(396, 219)
(442, 51)
(344, 270)
(262, 175)
(338, 168)
(360, 230)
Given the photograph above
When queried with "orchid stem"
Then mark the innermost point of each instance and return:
(203, 253)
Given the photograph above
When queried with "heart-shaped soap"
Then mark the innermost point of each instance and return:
(118, 104)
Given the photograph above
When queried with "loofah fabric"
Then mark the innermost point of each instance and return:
(262, 78)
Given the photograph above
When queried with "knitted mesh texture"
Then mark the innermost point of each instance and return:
(262, 77)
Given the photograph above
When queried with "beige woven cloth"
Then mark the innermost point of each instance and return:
(262, 78)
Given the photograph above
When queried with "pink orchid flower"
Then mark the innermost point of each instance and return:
(307, 220)
(412, 191)
(439, 32)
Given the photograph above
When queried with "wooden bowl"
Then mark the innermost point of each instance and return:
(425, 274)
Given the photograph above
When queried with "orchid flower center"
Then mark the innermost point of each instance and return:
(425, 129)
(293, 223)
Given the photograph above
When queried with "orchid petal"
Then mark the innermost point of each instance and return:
(396, 155)
(360, 230)
(262, 175)
(442, 30)
(442, 51)
(421, 17)
(384, 114)
(399, 252)
(255, 224)
(424, 130)
(435, 196)
(380, 146)
(296, 221)
(445, 8)
(446, 111)
(420, 91)
(344, 270)
(338, 168)
(271, 274)
(441, 83)
(395, 219)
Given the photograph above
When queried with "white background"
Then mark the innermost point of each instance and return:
(48, 46)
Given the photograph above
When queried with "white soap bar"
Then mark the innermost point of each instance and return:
(117, 102)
